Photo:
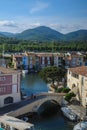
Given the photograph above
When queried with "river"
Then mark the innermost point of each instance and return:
(32, 83)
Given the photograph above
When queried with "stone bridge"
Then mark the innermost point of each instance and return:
(35, 103)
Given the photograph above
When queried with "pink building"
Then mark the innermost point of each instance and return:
(9, 86)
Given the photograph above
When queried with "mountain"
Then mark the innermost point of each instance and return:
(41, 33)
(1, 35)
(77, 35)
(7, 34)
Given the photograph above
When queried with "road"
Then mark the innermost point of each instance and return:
(20, 104)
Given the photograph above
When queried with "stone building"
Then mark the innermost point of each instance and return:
(77, 82)
(9, 86)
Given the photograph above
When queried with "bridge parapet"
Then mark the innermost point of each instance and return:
(36, 103)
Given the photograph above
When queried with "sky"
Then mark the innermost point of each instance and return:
(62, 15)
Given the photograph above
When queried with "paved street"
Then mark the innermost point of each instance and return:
(19, 104)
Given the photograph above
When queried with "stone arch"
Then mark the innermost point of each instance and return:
(73, 86)
(8, 100)
(48, 105)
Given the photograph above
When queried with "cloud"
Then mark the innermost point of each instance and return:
(39, 6)
(6, 23)
(66, 28)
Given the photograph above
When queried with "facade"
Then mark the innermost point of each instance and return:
(9, 86)
(25, 62)
(74, 60)
(31, 60)
(17, 60)
(58, 59)
(77, 82)
(37, 61)
(45, 59)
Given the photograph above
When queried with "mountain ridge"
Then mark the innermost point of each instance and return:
(43, 33)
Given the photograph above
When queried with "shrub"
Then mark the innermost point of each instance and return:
(58, 90)
(65, 90)
(69, 96)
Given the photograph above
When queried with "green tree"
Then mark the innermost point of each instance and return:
(52, 74)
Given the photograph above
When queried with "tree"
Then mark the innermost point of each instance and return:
(52, 74)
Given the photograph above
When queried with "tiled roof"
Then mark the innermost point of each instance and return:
(4, 70)
(44, 54)
(82, 70)
(18, 55)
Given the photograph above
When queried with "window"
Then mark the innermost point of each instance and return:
(30, 58)
(43, 58)
(2, 78)
(2, 90)
(82, 82)
(79, 58)
(69, 72)
(48, 58)
(8, 100)
(75, 75)
(14, 89)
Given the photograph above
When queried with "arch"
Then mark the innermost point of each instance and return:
(73, 86)
(8, 100)
(48, 106)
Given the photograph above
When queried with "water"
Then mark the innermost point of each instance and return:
(33, 84)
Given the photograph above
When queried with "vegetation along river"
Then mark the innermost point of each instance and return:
(32, 83)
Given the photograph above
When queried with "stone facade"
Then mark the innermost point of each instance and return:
(77, 82)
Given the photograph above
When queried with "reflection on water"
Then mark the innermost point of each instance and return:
(54, 122)
(32, 83)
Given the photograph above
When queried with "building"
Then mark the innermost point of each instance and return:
(17, 60)
(74, 60)
(12, 123)
(58, 60)
(9, 86)
(31, 60)
(45, 59)
(77, 82)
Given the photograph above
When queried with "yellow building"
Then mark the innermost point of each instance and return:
(77, 82)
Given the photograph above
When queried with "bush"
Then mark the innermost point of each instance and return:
(66, 90)
(58, 90)
(69, 96)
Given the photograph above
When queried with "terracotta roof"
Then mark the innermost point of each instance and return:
(4, 70)
(44, 54)
(82, 70)
(18, 56)
(76, 55)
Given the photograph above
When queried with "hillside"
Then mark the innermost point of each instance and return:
(41, 33)
(1, 35)
(77, 35)
(7, 34)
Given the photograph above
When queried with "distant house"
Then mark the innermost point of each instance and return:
(74, 60)
(77, 82)
(17, 60)
(31, 60)
(45, 59)
(9, 86)
(58, 59)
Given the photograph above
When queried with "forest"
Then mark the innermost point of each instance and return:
(15, 45)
